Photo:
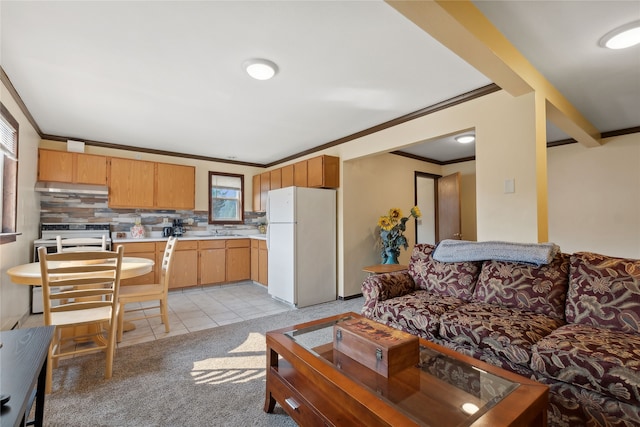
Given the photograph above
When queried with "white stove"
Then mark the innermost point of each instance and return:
(48, 234)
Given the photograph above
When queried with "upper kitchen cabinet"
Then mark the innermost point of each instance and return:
(175, 186)
(78, 168)
(287, 176)
(143, 184)
(131, 183)
(300, 174)
(275, 179)
(324, 172)
(256, 194)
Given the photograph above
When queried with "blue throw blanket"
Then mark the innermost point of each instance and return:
(462, 250)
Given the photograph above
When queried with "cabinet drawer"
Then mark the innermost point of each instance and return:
(184, 245)
(132, 248)
(211, 244)
(255, 243)
(238, 243)
(262, 244)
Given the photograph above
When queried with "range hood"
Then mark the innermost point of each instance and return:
(63, 187)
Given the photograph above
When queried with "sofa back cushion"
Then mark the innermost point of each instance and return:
(528, 287)
(604, 291)
(455, 279)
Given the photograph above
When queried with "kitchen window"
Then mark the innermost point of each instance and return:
(8, 174)
(226, 196)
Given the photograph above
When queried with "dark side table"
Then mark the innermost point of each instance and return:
(23, 374)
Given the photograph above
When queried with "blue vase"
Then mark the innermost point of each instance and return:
(390, 258)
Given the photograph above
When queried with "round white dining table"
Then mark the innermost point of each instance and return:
(29, 274)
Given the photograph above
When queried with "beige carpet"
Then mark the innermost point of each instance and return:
(214, 377)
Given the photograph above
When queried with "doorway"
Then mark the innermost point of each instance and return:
(438, 198)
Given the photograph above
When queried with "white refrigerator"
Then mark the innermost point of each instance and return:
(301, 239)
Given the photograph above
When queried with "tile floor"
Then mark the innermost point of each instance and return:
(198, 308)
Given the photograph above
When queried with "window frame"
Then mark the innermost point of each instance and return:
(212, 219)
(9, 169)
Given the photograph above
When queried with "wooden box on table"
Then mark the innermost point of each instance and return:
(380, 348)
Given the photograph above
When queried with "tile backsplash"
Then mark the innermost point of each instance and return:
(56, 207)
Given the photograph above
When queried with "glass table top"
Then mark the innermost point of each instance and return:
(439, 391)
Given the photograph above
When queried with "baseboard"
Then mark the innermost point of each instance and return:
(349, 297)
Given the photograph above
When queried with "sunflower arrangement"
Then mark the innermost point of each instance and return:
(392, 227)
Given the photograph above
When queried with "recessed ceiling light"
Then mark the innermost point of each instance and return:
(260, 69)
(465, 139)
(622, 37)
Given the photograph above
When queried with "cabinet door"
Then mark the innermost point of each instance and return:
(256, 193)
(263, 260)
(287, 176)
(275, 179)
(140, 250)
(90, 169)
(255, 252)
(323, 171)
(212, 266)
(300, 174)
(175, 186)
(265, 186)
(185, 269)
(55, 166)
(238, 261)
(131, 183)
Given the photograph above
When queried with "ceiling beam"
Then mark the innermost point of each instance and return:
(463, 29)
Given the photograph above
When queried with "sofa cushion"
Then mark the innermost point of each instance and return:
(507, 332)
(527, 287)
(598, 359)
(417, 313)
(455, 279)
(604, 292)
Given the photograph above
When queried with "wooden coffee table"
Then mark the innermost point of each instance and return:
(318, 386)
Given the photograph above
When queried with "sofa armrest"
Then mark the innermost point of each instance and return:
(380, 287)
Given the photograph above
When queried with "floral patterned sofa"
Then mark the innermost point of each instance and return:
(572, 324)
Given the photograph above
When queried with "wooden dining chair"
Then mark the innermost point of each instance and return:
(80, 295)
(81, 244)
(149, 292)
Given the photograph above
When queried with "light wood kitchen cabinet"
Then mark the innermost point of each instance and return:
(257, 206)
(287, 176)
(175, 186)
(213, 261)
(259, 261)
(238, 260)
(275, 179)
(300, 174)
(265, 186)
(263, 262)
(323, 171)
(184, 272)
(131, 183)
(141, 250)
(77, 168)
(143, 184)
(255, 251)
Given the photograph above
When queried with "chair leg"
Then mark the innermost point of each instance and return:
(49, 380)
(120, 321)
(164, 312)
(111, 349)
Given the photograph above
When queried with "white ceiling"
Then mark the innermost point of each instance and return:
(166, 75)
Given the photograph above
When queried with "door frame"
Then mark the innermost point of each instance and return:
(416, 175)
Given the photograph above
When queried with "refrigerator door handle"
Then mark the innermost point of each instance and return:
(268, 238)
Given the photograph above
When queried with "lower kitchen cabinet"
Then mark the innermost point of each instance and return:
(238, 260)
(213, 261)
(184, 271)
(259, 261)
(140, 250)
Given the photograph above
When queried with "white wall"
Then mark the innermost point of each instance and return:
(594, 197)
(14, 299)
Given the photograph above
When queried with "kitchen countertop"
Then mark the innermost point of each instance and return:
(189, 237)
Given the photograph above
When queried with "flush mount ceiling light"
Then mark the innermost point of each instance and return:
(622, 37)
(260, 69)
(465, 139)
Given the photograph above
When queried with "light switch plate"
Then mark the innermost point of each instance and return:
(509, 186)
